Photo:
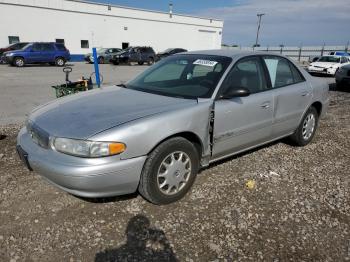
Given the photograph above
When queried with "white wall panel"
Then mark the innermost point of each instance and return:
(46, 20)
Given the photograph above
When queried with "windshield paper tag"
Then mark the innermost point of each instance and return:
(205, 62)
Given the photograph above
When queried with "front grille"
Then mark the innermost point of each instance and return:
(38, 135)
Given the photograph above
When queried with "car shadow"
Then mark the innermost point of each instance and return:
(143, 243)
(109, 199)
(334, 87)
(41, 65)
(285, 141)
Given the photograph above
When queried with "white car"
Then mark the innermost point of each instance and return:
(328, 65)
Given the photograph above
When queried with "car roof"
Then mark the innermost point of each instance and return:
(230, 53)
(337, 56)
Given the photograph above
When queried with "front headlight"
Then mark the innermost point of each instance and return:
(10, 54)
(84, 148)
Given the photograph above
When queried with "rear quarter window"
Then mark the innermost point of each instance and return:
(60, 47)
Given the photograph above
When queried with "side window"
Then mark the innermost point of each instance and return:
(247, 73)
(280, 71)
(47, 47)
(60, 47)
(297, 76)
(36, 47)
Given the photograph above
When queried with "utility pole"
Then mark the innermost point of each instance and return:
(257, 33)
(171, 9)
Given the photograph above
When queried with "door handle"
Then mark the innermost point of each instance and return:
(265, 105)
(305, 93)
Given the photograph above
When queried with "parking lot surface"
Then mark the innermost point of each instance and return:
(23, 89)
(297, 210)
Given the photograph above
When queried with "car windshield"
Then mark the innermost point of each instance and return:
(102, 50)
(185, 76)
(330, 59)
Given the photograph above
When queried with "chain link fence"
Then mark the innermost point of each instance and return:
(301, 53)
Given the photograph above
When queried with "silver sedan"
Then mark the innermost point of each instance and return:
(154, 133)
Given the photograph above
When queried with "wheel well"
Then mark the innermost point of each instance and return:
(18, 56)
(193, 138)
(318, 107)
(60, 57)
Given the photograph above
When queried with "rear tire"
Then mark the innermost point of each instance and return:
(19, 62)
(307, 128)
(60, 61)
(169, 171)
(101, 60)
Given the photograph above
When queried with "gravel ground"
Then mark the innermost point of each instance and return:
(296, 209)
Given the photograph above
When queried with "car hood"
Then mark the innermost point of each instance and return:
(324, 64)
(88, 113)
(13, 51)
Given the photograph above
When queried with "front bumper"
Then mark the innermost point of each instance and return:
(7, 59)
(324, 71)
(100, 177)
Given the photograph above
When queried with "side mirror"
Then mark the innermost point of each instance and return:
(235, 92)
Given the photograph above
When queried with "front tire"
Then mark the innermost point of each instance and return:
(169, 171)
(19, 62)
(307, 128)
(151, 61)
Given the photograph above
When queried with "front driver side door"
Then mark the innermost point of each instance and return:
(34, 54)
(243, 122)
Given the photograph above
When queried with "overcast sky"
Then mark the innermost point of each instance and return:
(288, 22)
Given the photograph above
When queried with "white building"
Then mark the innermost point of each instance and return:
(83, 25)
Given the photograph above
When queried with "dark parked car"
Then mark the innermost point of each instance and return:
(35, 53)
(103, 55)
(168, 52)
(139, 54)
(12, 47)
(342, 76)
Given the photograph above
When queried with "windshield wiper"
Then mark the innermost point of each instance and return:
(122, 85)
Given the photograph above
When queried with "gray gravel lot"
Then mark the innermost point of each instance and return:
(298, 210)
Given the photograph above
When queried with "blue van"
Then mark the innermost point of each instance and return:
(36, 53)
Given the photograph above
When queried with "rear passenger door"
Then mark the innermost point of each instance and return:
(243, 122)
(47, 53)
(291, 92)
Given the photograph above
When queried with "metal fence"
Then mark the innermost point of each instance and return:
(303, 53)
